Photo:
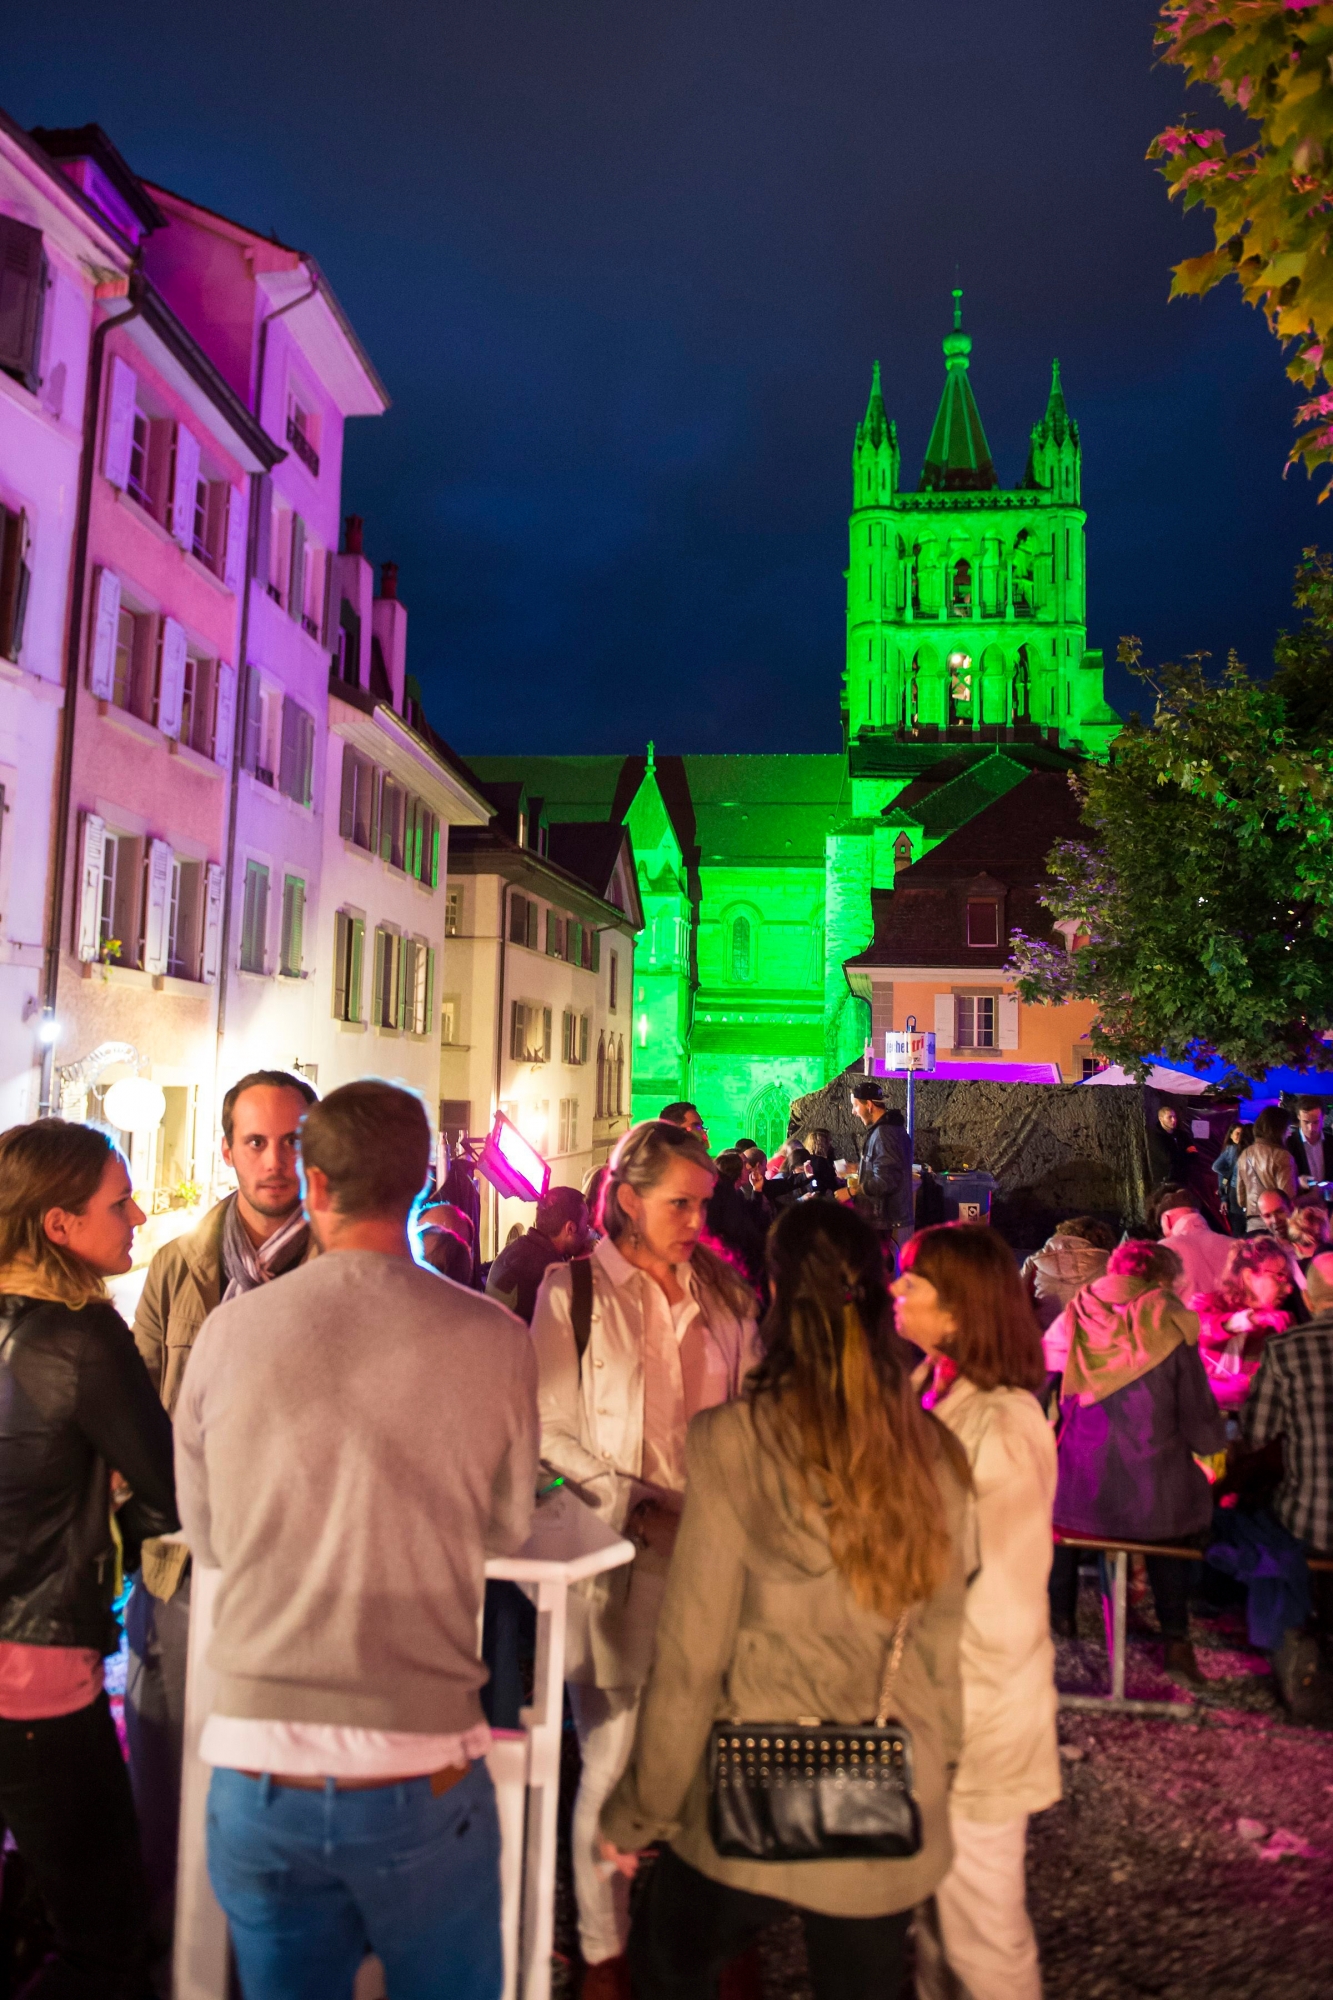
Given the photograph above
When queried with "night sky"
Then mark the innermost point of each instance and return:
(624, 269)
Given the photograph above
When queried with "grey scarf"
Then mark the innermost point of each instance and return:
(244, 1266)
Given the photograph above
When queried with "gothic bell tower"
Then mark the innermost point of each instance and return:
(966, 619)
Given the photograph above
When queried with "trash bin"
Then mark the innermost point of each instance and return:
(967, 1196)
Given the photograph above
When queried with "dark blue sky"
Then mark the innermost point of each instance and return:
(624, 270)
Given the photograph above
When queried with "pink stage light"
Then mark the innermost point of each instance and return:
(511, 1164)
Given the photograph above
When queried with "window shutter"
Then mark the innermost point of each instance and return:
(402, 1003)
(296, 581)
(89, 912)
(944, 1020)
(212, 954)
(546, 1034)
(224, 726)
(342, 955)
(428, 1003)
(305, 760)
(597, 951)
(106, 619)
(354, 976)
(171, 678)
(287, 768)
(253, 719)
(516, 1012)
(156, 905)
(1006, 1025)
(347, 812)
(22, 289)
(233, 561)
(183, 486)
(263, 498)
(122, 388)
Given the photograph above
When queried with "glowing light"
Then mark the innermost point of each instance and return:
(135, 1105)
(48, 1031)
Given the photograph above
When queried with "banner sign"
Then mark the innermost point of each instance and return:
(903, 1051)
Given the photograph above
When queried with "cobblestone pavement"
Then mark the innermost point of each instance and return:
(1188, 1860)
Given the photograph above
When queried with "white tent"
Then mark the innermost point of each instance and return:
(1177, 1082)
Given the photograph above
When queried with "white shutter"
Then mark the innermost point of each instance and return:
(171, 678)
(233, 567)
(1007, 1025)
(224, 727)
(944, 1020)
(89, 911)
(183, 487)
(156, 906)
(212, 920)
(122, 389)
(106, 621)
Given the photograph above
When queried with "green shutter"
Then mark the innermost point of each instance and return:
(354, 976)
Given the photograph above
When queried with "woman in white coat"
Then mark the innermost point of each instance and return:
(664, 1329)
(960, 1298)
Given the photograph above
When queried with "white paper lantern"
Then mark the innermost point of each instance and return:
(135, 1105)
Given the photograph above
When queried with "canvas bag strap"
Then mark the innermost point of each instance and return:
(891, 1666)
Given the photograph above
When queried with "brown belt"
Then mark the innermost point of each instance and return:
(440, 1781)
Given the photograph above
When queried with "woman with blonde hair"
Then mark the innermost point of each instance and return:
(962, 1300)
(76, 1404)
(819, 1575)
(631, 1342)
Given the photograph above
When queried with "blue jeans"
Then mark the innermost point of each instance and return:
(312, 1881)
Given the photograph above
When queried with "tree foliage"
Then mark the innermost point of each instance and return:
(1201, 904)
(1271, 201)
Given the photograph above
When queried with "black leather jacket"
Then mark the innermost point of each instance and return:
(75, 1403)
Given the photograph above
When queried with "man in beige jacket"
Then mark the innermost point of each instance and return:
(249, 1237)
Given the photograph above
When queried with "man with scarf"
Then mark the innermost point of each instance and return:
(248, 1239)
(1135, 1413)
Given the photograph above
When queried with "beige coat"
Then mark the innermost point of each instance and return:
(183, 1286)
(1010, 1763)
(1260, 1169)
(759, 1625)
(592, 1432)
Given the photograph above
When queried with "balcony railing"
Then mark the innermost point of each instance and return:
(302, 446)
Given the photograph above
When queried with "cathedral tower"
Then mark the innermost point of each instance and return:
(966, 618)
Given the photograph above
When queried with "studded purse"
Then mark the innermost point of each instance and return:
(816, 1791)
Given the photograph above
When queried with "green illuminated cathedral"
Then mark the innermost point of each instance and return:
(966, 670)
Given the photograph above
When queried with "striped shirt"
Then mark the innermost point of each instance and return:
(1292, 1398)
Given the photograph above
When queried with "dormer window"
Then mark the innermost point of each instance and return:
(983, 922)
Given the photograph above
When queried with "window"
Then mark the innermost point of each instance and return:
(293, 925)
(183, 924)
(449, 1020)
(139, 486)
(555, 935)
(393, 802)
(358, 820)
(601, 1077)
(118, 929)
(523, 914)
(130, 640)
(613, 982)
(620, 1076)
(983, 921)
(349, 938)
(567, 1140)
(22, 295)
(529, 1032)
(421, 856)
(418, 979)
(902, 852)
(297, 759)
(962, 587)
(198, 704)
(453, 913)
(742, 951)
(254, 917)
(974, 1021)
(14, 577)
(263, 728)
(574, 942)
(303, 432)
(388, 979)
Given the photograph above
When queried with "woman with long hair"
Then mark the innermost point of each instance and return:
(825, 1531)
(76, 1405)
(960, 1298)
(1265, 1165)
(1252, 1302)
(665, 1328)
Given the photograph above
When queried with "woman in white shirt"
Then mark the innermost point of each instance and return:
(960, 1298)
(670, 1331)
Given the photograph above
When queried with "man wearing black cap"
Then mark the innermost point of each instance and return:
(886, 1161)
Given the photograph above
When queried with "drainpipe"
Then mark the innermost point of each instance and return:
(92, 408)
(499, 1052)
(242, 702)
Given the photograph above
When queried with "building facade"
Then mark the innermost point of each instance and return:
(766, 879)
(60, 256)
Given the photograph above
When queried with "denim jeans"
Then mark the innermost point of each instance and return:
(312, 1881)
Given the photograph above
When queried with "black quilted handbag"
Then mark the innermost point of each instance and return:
(815, 1791)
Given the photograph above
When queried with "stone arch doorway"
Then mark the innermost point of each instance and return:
(766, 1118)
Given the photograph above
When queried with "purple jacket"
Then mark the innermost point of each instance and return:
(1126, 1463)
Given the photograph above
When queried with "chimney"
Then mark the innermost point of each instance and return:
(389, 625)
(352, 540)
(351, 603)
(389, 580)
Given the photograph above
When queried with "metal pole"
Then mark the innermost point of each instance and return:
(911, 1080)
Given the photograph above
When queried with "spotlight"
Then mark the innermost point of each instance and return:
(48, 1031)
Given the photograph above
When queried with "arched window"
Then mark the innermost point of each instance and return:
(902, 852)
(742, 951)
(766, 1118)
(1022, 687)
(962, 588)
(601, 1075)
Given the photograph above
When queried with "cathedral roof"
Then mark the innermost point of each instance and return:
(958, 457)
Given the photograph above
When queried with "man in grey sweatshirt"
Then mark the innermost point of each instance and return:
(350, 1446)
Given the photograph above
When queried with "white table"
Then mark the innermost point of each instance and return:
(568, 1544)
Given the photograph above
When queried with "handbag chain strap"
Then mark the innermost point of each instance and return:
(891, 1666)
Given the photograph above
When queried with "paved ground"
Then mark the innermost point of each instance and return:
(1188, 1860)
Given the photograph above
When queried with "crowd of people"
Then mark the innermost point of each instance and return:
(846, 1450)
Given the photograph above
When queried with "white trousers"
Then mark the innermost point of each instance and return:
(986, 1940)
(604, 1719)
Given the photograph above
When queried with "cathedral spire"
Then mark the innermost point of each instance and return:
(1054, 455)
(875, 425)
(875, 457)
(958, 457)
